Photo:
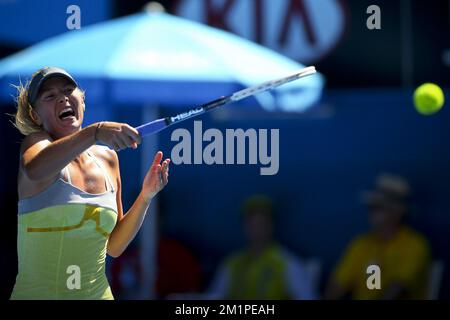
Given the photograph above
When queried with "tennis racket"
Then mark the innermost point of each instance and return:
(160, 124)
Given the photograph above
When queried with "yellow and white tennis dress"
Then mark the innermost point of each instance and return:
(62, 239)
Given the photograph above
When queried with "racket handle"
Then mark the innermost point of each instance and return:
(152, 127)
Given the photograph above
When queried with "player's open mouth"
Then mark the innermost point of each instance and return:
(66, 113)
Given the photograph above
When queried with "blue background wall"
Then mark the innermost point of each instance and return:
(327, 158)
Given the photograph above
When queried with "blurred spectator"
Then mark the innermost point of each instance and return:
(178, 269)
(264, 269)
(402, 254)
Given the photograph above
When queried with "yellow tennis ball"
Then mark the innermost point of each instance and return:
(428, 98)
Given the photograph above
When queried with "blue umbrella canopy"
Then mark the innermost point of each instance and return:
(160, 58)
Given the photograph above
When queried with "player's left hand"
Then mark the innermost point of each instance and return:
(157, 177)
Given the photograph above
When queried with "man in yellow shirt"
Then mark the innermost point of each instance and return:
(402, 254)
(264, 269)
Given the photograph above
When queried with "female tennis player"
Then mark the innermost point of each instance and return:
(70, 210)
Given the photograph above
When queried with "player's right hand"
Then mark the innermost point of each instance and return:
(117, 135)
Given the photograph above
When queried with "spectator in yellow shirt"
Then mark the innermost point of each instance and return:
(402, 254)
(264, 269)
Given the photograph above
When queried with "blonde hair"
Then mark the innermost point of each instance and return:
(22, 119)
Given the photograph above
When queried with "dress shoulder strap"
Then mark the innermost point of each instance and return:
(67, 172)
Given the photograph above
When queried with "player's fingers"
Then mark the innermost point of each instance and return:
(132, 133)
(115, 146)
(158, 170)
(165, 178)
(122, 144)
(165, 166)
(157, 159)
(164, 175)
(127, 140)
